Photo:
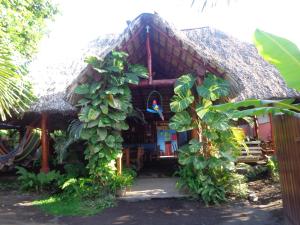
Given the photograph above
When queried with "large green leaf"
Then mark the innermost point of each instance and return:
(181, 121)
(216, 120)
(180, 103)
(110, 141)
(114, 102)
(282, 53)
(82, 89)
(132, 78)
(213, 88)
(102, 133)
(93, 114)
(263, 111)
(94, 87)
(184, 83)
(139, 70)
(284, 104)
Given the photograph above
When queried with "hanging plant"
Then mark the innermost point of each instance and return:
(105, 105)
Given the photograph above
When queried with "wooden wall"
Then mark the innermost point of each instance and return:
(287, 138)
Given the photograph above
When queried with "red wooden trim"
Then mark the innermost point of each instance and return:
(45, 144)
(149, 56)
(157, 83)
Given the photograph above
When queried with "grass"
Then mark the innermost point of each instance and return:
(72, 206)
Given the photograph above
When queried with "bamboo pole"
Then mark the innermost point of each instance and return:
(45, 144)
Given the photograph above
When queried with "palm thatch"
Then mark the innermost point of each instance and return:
(174, 53)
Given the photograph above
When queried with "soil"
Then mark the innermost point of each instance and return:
(15, 209)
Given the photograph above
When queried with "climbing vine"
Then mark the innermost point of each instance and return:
(105, 104)
(208, 168)
(208, 159)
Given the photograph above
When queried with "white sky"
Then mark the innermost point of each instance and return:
(83, 20)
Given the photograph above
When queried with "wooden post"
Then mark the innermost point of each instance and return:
(45, 144)
(119, 165)
(149, 56)
(127, 157)
(255, 127)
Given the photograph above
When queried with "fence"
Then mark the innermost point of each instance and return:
(287, 138)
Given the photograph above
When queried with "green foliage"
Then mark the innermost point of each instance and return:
(207, 164)
(38, 182)
(213, 88)
(273, 168)
(64, 140)
(282, 53)
(22, 24)
(105, 104)
(122, 181)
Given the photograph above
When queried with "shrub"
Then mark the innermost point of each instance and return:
(39, 182)
(273, 168)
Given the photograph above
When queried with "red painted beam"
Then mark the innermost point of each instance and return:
(156, 83)
(45, 144)
(149, 56)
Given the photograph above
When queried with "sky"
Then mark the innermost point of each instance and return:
(81, 21)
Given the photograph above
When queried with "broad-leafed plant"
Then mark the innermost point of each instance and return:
(105, 105)
(207, 161)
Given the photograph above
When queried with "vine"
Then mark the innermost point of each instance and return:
(208, 161)
(105, 105)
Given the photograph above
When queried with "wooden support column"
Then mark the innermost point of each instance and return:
(45, 143)
(119, 165)
(127, 157)
(255, 127)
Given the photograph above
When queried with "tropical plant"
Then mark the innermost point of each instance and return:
(282, 53)
(22, 24)
(208, 160)
(105, 105)
(63, 140)
(273, 168)
(38, 182)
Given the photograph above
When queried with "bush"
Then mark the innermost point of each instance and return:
(212, 185)
(39, 182)
(123, 181)
(273, 168)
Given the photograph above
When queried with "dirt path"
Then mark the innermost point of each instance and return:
(14, 210)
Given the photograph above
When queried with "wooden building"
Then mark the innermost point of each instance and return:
(168, 53)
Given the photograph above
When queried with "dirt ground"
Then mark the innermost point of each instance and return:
(15, 209)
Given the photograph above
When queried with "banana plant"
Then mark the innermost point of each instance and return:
(282, 53)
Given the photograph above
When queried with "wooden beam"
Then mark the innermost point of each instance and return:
(45, 144)
(157, 83)
(149, 56)
(119, 165)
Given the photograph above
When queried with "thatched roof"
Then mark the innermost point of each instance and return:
(174, 52)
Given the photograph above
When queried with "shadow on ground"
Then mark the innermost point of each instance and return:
(15, 209)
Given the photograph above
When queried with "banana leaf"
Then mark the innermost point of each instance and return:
(282, 53)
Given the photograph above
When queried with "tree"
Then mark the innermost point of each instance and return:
(22, 25)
